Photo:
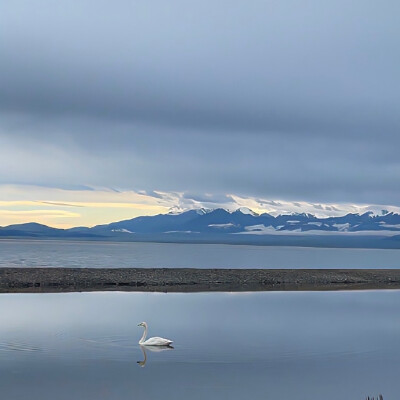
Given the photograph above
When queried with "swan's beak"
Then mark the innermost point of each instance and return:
(139, 324)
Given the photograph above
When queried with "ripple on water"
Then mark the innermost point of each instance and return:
(109, 341)
(18, 346)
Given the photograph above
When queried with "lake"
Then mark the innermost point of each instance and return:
(54, 253)
(269, 345)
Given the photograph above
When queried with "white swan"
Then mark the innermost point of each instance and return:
(154, 341)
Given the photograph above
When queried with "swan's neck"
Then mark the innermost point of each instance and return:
(144, 335)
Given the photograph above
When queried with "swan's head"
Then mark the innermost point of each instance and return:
(143, 324)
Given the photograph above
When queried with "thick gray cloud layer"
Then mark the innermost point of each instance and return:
(296, 100)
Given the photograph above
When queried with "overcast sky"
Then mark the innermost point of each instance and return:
(297, 101)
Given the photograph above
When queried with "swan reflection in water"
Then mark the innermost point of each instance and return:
(154, 349)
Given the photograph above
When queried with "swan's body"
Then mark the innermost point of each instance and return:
(154, 341)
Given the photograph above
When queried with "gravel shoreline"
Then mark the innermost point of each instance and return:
(42, 280)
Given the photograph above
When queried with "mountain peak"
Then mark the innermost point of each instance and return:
(30, 226)
(305, 215)
(202, 211)
(176, 210)
(246, 210)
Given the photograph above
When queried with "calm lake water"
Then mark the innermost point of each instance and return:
(271, 345)
(51, 253)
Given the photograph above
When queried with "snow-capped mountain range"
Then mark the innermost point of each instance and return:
(244, 221)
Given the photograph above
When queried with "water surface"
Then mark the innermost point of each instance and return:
(53, 253)
(271, 345)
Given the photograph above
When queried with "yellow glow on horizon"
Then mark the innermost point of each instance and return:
(55, 213)
(69, 208)
(61, 218)
(80, 204)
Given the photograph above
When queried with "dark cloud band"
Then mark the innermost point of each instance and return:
(267, 98)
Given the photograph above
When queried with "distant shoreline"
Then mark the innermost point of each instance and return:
(299, 240)
(185, 280)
